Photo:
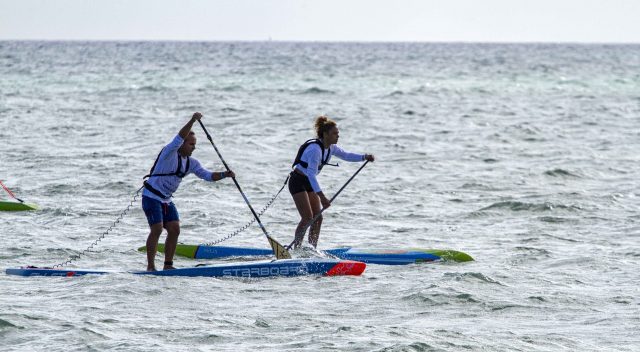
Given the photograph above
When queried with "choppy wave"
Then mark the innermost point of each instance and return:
(6, 325)
(472, 276)
(317, 90)
(477, 186)
(561, 173)
(532, 207)
(440, 299)
(558, 219)
(233, 88)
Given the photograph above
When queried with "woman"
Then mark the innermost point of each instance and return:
(303, 184)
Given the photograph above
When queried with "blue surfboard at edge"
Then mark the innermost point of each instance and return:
(370, 256)
(285, 267)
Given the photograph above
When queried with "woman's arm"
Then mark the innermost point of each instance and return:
(347, 156)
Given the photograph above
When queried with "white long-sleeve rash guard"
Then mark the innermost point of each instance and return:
(313, 154)
(168, 163)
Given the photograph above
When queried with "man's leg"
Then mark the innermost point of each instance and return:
(155, 231)
(173, 231)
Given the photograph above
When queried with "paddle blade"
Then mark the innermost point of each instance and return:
(278, 249)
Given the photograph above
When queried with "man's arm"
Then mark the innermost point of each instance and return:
(217, 176)
(184, 132)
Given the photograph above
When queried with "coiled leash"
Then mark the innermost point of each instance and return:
(103, 235)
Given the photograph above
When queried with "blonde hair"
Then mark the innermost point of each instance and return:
(323, 124)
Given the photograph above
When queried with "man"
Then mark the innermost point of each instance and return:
(173, 163)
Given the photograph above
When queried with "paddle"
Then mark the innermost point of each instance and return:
(11, 193)
(330, 202)
(278, 249)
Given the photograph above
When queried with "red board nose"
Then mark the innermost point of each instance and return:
(347, 267)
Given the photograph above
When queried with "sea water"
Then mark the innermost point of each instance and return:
(523, 156)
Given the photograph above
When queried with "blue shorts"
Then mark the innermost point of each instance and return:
(156, 211)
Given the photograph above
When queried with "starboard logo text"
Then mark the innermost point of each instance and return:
(252, 272)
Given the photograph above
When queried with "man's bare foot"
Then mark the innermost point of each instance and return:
(151, 268)
(168, 265)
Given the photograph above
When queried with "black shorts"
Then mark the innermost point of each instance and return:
(299, 183)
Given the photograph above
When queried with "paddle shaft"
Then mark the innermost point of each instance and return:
(278, 249)
(330, 201)
(346, 183)
(11, 193)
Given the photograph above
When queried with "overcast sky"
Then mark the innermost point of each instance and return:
(589, 21)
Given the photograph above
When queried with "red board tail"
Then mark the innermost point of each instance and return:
(347, 267)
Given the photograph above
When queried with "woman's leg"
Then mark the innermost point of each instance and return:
(316, 208)
(301, 200)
